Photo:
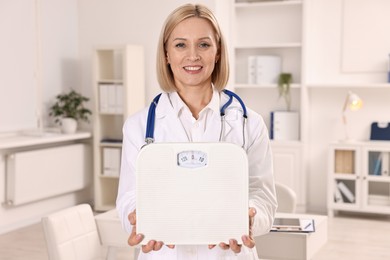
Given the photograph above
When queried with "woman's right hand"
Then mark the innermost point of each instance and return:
(135, 239)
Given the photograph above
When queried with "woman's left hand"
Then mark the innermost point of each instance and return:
(247, 240)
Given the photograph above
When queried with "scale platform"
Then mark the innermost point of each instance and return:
(192, 193)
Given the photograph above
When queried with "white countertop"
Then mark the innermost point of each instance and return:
(30, 138)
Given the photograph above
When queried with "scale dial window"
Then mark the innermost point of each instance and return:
(192, 159)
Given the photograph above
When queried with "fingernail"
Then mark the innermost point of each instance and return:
(253, 210)
(139, 236)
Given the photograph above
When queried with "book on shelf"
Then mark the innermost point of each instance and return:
(346, 192)
(385, 164)
(378, 165)
(337, 194)
(381, 164)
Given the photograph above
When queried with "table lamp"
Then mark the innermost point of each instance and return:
(353, 103)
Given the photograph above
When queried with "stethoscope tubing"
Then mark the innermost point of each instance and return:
(149, 136)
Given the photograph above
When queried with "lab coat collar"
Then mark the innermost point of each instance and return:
(178, 104)
(166, 109)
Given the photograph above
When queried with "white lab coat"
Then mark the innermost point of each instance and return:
(168, 128)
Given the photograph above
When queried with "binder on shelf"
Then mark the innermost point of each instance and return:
(268, 68)
(252, 69)
(346, 191)
(111, 161)
(111, 98)
(264, 69)
(103, 97)
(284, 125)
(119, 99)
(380, 131)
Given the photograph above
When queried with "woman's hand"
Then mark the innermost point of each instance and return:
(135, 239)
(247, 240)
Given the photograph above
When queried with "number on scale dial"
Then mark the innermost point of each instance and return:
(192, 159)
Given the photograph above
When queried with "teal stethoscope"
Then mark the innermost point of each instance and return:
(149, 137)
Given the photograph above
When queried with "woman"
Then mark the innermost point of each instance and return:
(193, 69)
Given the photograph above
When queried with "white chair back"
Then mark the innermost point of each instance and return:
(72, 234)
(286, 197)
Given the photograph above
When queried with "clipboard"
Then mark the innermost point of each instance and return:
(192, 193)
(293, 225)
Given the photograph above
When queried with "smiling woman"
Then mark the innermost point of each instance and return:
(193, 70)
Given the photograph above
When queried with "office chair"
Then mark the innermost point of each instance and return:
(286, 197)
(72, 234)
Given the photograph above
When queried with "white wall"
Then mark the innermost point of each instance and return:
(39, 52)
(39, 58)
(331, 71)
(125, 22)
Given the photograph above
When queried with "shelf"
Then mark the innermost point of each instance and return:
(244, 4)
(275, 45)
(378, 178)
(348, 85)
(118, 67)
(114, 81)
(110, 114)
(108, 177)
(111, 144)
(264, 86)
(344, 176)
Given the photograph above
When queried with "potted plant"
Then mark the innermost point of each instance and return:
(284, 82)
(68, 110)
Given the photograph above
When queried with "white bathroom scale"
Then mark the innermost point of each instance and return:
(192, 193)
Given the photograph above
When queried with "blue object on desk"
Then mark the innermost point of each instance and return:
(380, 131)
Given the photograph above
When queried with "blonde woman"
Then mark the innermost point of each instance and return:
(192, 70)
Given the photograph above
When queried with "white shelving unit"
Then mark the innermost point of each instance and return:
(359, 179)
(119, 91)
(270, 28)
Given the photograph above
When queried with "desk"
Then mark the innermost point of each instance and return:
(274, 245)
(291, 245)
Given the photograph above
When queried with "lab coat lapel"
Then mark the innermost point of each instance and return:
(168, 127)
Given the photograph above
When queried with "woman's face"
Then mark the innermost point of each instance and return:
(192, 52)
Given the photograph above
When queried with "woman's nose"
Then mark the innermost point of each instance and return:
(193, 54)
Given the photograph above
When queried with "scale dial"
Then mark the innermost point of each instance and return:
(192, 159)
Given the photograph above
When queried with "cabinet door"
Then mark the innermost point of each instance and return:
(344, 187)
(376, 179)
(287, 170)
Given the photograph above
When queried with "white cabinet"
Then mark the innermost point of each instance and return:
(287, 161)
(119, 91)
(359, 177)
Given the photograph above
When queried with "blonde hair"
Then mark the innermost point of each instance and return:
(165, 75)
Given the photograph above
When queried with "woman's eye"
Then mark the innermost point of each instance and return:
(180, 45)
(204, 45)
